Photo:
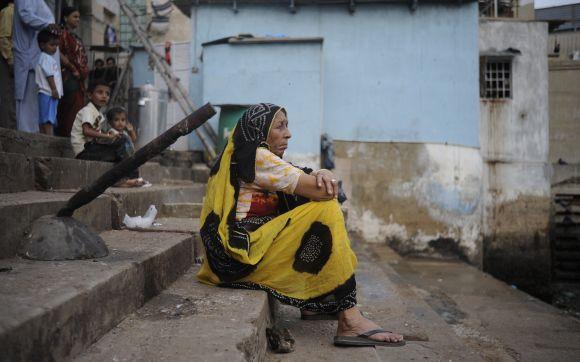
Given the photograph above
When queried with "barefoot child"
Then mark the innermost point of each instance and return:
(88, 124)
(49, 81)
(117, 124)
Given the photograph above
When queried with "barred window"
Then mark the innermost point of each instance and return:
(495, 77)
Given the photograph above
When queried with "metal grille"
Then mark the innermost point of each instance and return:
(497, 79)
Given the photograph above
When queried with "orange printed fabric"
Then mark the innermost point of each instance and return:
(272, 174)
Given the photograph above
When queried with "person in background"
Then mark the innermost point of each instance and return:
(88, 140)
(7, 112)
(98, 72)
(111, 72)
(48, 80)
(89, 121)
(30, 16)
(75, 71)
(118, 124)
(110, 36)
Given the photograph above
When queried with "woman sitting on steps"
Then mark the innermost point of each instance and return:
(271, 226)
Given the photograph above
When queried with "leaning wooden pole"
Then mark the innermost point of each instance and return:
(144, 154)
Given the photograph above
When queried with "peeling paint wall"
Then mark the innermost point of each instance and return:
(421, 198)
(514, 148)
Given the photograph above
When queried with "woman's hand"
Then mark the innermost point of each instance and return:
(325, 179)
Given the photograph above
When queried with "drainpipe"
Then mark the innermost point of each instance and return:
(495, 12)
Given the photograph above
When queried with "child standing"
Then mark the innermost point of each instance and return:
(49, 81)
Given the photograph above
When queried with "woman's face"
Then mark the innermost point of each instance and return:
(73, 20)
(279, 134)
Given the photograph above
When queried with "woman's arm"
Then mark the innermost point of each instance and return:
(317, 188)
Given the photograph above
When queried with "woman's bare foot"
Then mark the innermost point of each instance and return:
(352, 323)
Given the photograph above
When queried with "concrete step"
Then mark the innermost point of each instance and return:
(200, 172)
(181, 209)
(190, 322)
(55, 310)
(180, 225)
(493, 319)
(67, 173)
(16, 172)
(19, 172)
(136, 201)
(34, 144)
(391, 305)
(20, 209)
(155, 173)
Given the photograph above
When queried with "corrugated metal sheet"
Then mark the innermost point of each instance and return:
(318, 2)
(571, 13)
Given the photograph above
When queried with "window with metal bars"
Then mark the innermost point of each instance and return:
(495, 77)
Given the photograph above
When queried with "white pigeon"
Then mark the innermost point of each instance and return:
(141, 222)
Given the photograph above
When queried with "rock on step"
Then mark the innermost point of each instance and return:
(55, 310)
(19, 210)
(190, 322)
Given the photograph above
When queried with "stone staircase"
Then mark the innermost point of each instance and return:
(56, 310)
(143, 303)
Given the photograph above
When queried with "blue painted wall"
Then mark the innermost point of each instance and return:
(253, 73)
(142, 74)
(387, 74)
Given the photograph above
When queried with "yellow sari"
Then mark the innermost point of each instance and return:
(302, 256)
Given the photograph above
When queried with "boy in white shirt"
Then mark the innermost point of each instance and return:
(48, 80)
(89, 122)
(90, 139)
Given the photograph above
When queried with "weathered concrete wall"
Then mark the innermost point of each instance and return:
(565, 111)
(420, 198)
(514, 148)
(525, 10)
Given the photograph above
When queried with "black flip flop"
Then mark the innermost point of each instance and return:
(364, 340)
